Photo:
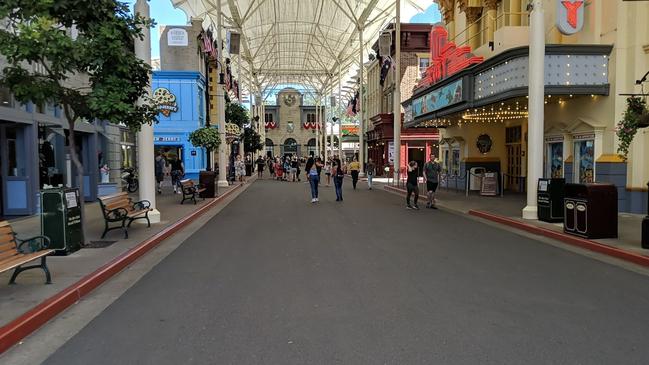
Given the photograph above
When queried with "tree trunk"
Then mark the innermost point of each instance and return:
(72, 144)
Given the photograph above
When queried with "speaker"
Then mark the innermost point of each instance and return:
(233, 41)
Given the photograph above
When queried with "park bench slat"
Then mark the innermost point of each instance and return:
(11, 258)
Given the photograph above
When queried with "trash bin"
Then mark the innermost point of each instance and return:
(590, 210)
(61, 219)
(549, 199)
(475, 180)
(207, 179)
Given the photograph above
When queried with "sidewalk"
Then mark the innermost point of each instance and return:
(30, 289)
(508, 209)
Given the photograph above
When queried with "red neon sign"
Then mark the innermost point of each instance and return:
(446, 58)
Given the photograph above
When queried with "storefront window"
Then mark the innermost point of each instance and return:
(127, 142)
(585, 161)
(447, 161)
(455, 162)
(51, 163)
(555, 160)
(15, 152)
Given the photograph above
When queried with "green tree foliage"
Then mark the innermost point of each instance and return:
(93, 75)
(251, 140)
(237, 114)
(206, 137)
(628, 127)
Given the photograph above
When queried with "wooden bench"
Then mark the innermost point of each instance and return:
(120, 208)
(190, 190)
(14, 253)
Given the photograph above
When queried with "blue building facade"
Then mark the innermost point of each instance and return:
(181, 95)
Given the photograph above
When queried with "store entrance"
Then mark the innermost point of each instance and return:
(513, 178)
(170, 152)
(417, 154)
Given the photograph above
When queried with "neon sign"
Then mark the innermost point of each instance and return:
(446, 58)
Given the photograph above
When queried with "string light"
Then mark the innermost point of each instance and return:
(496, 115)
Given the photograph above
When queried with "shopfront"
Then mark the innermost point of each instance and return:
(181, 95)
(482, 112)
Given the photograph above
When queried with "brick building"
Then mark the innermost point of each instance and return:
(417, 143)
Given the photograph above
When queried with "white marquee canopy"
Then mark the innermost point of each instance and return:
(305, 42)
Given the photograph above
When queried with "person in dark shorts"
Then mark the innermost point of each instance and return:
(412, 185)
(432, 170)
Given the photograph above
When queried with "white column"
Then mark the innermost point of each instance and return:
(326, 130)
(396, 107)
(535, 108)
(361, 126)
(341, 111)
(220, 101)
(145, 158)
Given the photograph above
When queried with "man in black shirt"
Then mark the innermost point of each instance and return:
(412, 184)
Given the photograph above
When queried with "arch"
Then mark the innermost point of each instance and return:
(290, 146)
(269, 142)
(311, 142)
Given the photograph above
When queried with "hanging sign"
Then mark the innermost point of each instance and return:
(166, 101)
(177, 37)
(570, 16)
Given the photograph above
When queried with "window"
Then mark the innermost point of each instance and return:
(424, 62)
(455, 162)
(268, 117)
(554, 162)
(5, 97)
(584, 164)
(310, 118)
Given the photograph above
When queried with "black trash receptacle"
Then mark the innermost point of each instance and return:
(207, 179)
(549, 199)
(590, 210)
(61, 219)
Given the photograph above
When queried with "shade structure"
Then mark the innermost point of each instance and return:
(300, 41)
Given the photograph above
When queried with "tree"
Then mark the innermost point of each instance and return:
(84, 53)
(237, 114)
(252, 140)
(206, 137)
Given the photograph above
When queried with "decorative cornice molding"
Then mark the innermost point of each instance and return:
(491, 4)
(473, 14)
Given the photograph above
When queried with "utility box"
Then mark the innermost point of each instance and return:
(549, 199)
(207, 179)
(590, 210)
(61, 219)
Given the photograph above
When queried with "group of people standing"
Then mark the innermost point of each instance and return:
(169, 165)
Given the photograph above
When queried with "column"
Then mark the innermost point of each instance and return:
(341, 111)
(396, 104)
(145, 158)
(361, 114)
(492, 12)
(473, 36)
(535, 107)
(326, 131)
(220, 101)
(449, 20)
(514, 13)
(317, 135)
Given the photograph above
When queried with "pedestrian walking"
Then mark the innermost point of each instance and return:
(313, 165)
(294, 165)
(355, 168)
(260, 167)
(327, 168)
(160, 166)
(370, 170)
(286, 166)
(412, 185)
(339, 176)
(279, 172)
(271, 167)
(239, 169)
(432, 169)
(177, 173)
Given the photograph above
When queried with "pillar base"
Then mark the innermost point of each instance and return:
(154, 217)
(531, 212)
(223, 184)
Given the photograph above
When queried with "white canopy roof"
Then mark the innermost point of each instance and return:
(300, 41)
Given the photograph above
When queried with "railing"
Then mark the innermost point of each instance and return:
(502, 20)
(468, 180)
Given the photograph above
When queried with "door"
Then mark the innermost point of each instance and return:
(514, 180)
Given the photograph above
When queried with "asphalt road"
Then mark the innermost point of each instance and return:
(274, 279)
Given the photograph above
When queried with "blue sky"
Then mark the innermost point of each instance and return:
(165, 14)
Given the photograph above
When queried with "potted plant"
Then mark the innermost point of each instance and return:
(636, 116)
(206, 137)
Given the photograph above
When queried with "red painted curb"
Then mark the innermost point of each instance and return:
(635, 258)
(28, 322)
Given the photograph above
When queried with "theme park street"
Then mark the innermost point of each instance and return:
(275, 279)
